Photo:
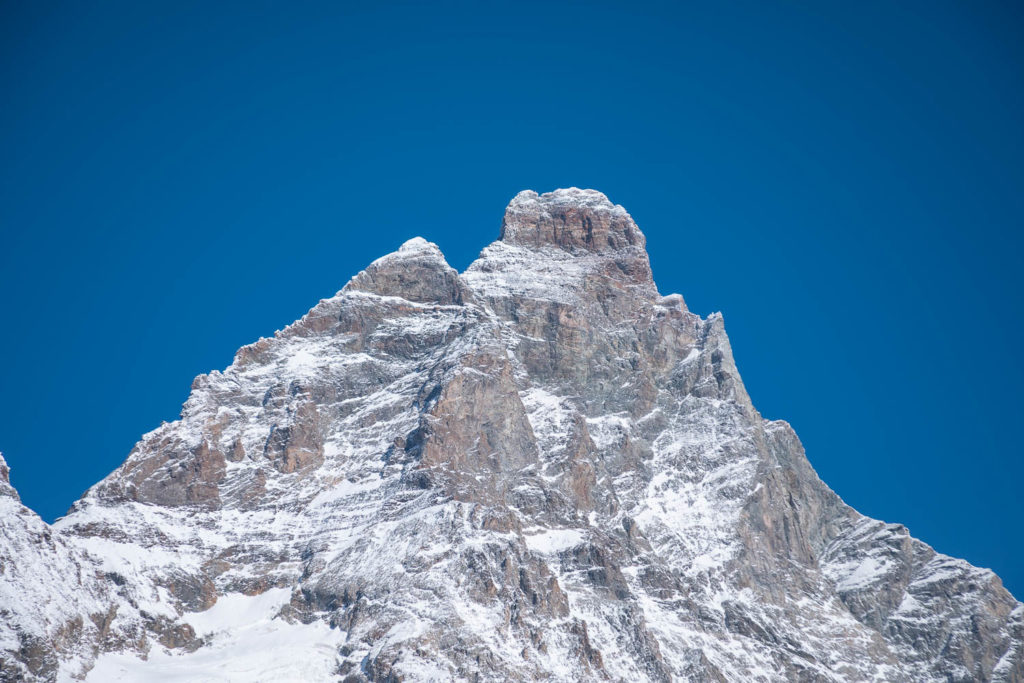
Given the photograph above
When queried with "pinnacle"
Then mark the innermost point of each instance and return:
(572, 219)
(417, 272)
(5, 479)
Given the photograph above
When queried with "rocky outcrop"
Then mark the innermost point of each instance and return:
(416, 272)
(538, 469)
(5, 480)
(572, 220)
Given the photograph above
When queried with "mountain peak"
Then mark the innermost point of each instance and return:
(417, 272)
(537, 470)
(571, 219)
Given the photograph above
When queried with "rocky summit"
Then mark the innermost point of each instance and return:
(537, 469)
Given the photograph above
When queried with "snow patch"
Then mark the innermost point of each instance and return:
(552, 540)
(248, 644)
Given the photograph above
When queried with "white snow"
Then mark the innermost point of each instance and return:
(867, 573)
(552, 540)
(236, 610)
(247, 644)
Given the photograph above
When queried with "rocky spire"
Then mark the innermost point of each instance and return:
(567, 244)
(5, 479)
(572, 219)
(417, 272)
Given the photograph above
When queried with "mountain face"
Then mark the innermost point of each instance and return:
(538, 469)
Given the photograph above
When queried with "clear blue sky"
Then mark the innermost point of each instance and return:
(842, 180)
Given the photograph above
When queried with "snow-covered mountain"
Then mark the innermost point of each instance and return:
(538, 469)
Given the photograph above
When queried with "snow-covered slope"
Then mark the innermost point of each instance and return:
(540, 468)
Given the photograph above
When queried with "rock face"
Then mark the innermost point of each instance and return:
(536, 469)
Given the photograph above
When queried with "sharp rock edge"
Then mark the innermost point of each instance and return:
(539, 468)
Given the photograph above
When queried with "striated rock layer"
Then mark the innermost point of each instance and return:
(539, 468)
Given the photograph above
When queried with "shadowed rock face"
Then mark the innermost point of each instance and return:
(539, 468)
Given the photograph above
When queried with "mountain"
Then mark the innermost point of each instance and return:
(538, 469)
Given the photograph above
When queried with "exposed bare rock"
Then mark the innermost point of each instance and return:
(5, 480)
(416, 272)
(571, 219)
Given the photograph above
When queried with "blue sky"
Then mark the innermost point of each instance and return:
(843, 181)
